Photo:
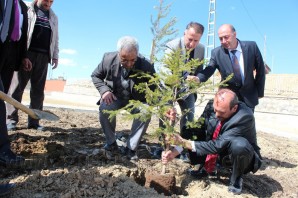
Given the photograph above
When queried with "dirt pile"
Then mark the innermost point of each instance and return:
(66, 161)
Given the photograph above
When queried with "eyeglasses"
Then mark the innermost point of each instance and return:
(128, 58)
(125, 61)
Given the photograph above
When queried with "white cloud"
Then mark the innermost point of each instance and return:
(68, 51)
(67, 62)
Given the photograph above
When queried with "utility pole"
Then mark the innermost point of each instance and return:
(211, 31)
(264, 49)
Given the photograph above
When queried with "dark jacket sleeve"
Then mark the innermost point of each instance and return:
(22, 45)
(102, 75)
(237, 126)
(206, 73)
(260, 72)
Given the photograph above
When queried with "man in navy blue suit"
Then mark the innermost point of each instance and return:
(250, 87)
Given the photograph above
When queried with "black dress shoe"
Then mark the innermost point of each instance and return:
(132, 155)
(111, 147)
(236, 188)
(5, 189)
(36, 127)
(8, 158)
(200, 173)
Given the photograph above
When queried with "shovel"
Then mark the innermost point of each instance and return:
(33, 113)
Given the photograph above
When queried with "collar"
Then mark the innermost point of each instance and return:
(238, 48)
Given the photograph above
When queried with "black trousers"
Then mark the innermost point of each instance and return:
(37, 77)
(8, 61)
(4, 141)
(240, 153)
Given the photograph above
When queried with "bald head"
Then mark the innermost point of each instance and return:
(227, 36)
(225, 104)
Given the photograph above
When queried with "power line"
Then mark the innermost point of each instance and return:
(258, 30)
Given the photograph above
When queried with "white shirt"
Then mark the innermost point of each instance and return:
(239, 56)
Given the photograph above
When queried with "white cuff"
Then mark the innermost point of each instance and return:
(193, 147)
(178, 148)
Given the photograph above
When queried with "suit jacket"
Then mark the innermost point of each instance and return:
(241, 124)
(253, 86)
(105, 74)
(178, 43)
(21, 46)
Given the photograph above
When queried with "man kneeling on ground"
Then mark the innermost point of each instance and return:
(233, 138)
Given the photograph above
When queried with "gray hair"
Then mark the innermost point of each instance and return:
(129, 43)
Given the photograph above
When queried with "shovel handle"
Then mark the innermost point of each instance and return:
(18, 105)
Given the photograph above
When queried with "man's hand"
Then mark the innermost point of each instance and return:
(27, 65)
(171, 114)
(178, 140)
(167, 156)
(108, 97)
(174, 139)
(193, 78)
(54, 63)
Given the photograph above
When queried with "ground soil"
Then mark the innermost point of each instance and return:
(67, 161)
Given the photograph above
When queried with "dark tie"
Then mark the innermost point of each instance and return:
(236, 67)
(16, 28)
(210, 161)
(6, 20)
(125, 73)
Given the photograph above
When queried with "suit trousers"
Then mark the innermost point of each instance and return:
(8, 54)
(138, 128)
(4, 141)
(240, 153)
(187, 105)
(37, 77)
(8, 61)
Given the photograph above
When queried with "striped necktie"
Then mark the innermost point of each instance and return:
(236, 67)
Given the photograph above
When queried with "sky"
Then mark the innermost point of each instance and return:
(88, 29)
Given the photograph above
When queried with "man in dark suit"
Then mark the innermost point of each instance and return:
(235, 143)
(115, 78)
(13, 54)
(251, 83)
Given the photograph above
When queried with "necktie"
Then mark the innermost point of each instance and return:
(6, 20)
(125, 82)
(236, 67)
(210, 161)
(16, 28)
(124, 73)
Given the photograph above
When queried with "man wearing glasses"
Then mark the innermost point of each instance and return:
(114, 78)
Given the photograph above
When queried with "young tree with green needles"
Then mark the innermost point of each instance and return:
(170, 85)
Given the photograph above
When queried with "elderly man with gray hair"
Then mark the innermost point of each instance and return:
(115, 78)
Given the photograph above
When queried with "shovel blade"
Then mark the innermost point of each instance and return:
(45, 115)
